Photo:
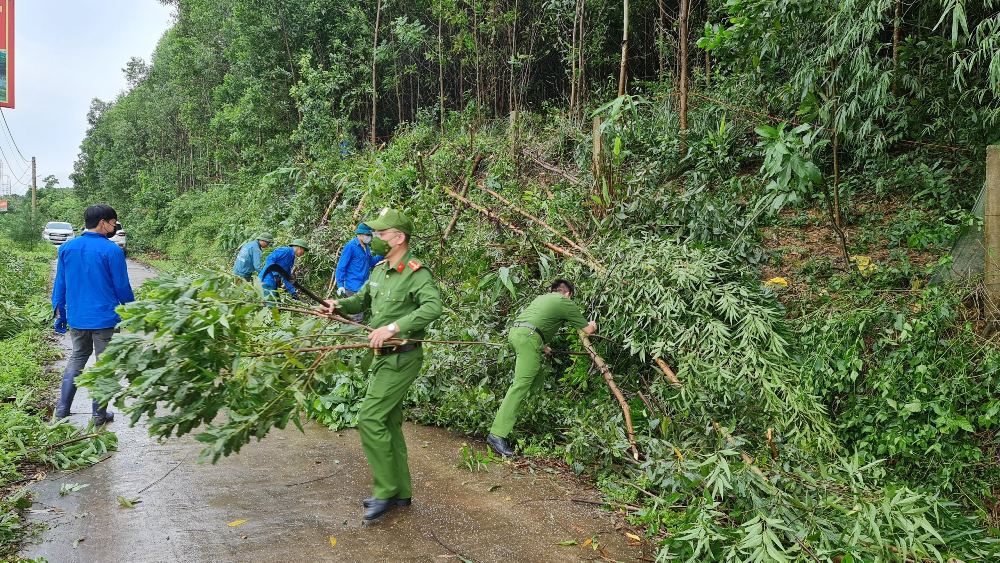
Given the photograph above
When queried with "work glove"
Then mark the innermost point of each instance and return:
(341, 291)
(61, 324)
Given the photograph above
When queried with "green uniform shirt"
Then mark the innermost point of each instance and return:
(403, 293)
(548, 312)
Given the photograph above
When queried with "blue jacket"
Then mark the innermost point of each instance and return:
(248, 260)
(355, 264)
(91, 280)
(284, 257)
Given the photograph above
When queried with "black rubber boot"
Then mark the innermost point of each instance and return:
(377, 509)
(500, 445)
(399, 502)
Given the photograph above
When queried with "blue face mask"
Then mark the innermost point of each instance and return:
(367, 239)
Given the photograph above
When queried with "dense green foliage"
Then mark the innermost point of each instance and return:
(831, 418)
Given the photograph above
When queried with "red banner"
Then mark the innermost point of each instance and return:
(6, 53)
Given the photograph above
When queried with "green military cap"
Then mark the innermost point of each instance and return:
(300, 242)
(266, 237)
(391, 219)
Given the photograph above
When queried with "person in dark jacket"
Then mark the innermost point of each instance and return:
(355, 265)
(91, 281)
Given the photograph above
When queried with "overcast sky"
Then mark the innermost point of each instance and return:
(67, 53)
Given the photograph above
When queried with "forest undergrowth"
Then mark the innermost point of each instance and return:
(849, 413)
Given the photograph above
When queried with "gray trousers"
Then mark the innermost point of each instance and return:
(85, 343)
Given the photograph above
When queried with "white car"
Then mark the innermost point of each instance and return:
(120, 238)
(57, 232)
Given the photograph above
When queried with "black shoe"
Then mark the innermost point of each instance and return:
(102, 420)
(399, 502)
(377, 509)
(500, 445)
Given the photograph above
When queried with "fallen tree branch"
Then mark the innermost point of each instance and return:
(507, 224)
(544, 225)
(631, 507)
(361, 205)
(572, 179)
(420, 166)
(333, 202)
(389, 342)
(63, 443)
(610, 380)
(465, 189)
(667, 371)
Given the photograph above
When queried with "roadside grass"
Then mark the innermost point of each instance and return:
(27, 439)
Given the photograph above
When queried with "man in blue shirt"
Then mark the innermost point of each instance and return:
(248, 260)
(285, 257)
(91, 281)
(355, 265)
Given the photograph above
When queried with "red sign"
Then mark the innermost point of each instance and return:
(6, 53)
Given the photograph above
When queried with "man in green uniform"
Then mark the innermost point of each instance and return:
(403, 300)
(535, 326)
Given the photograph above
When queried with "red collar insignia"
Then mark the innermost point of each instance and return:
(399, 268)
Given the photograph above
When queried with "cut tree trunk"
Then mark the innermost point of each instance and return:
(378, 14)
(610, 380)
(682, 20)
(623, 71)
(469, 178)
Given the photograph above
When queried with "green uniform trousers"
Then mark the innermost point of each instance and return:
(380, 422)
(527, 345)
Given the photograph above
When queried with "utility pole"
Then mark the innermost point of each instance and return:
(34, 189)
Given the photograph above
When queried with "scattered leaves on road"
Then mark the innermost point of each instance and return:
(68, 488)
(128, 502)
(236, 523)
(567, 542)
(333, 541)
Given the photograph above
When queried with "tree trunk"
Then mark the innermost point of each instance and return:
(479, 72)
(378, 14)
(897, 24)
(580, 98)
(622, 73)
(682, 20)
(511, 94)
(708, 69)
(661, 31)
(288, 49)
(838, 219)
(572, 63)
(441, 66)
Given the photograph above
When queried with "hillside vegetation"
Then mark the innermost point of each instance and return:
(774, 184)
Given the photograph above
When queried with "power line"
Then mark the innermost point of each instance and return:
(13, 170)
(4, 116)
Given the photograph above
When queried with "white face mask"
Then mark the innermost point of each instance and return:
(367, 239)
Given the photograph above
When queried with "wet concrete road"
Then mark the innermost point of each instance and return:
(298, 493)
